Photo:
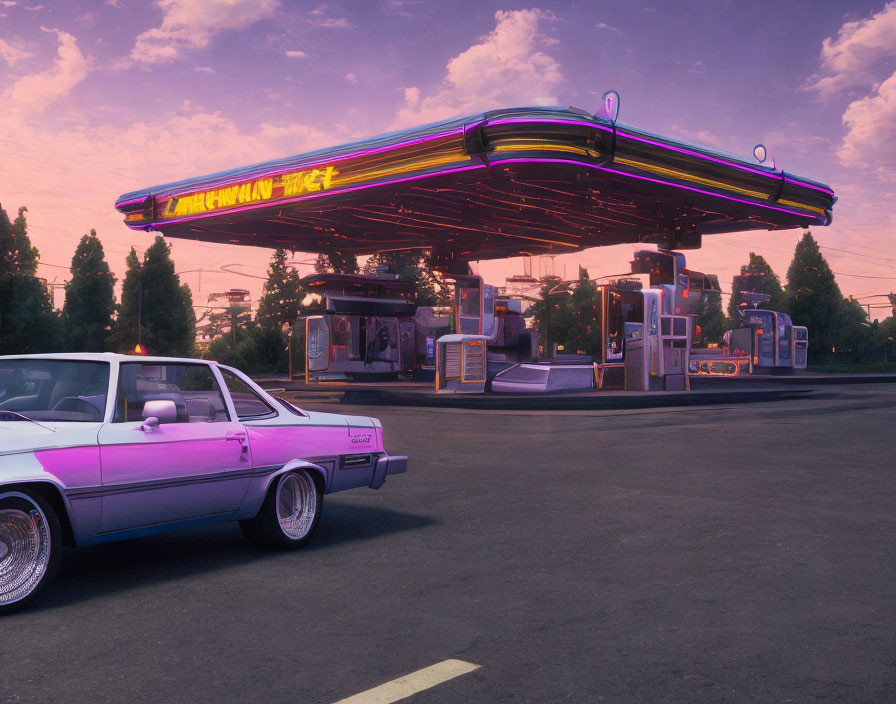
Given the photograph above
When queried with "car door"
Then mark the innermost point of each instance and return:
(194, 465)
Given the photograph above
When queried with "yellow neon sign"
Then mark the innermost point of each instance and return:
(256, 191)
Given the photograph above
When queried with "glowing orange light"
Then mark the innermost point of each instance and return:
(139, 349)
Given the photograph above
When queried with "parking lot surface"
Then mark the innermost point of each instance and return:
(719, 554)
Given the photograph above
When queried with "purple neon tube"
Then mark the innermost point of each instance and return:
(653, 180)
(628, 135)
(462, 129)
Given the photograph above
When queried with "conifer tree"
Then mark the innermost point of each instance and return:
(89, 298)
(153, 298)
(412, 266)
(584, 333)
(167, 317)
(7, 245)
(758, 276)
(124, 331)
(282, 295)
(28, 322)
(27, 256)
(551, 315)
(335, 261)
(710, 319)
(814, 300)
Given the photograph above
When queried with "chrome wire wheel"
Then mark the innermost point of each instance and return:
(25, 550)
(297, 503)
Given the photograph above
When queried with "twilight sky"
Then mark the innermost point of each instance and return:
(102, 97)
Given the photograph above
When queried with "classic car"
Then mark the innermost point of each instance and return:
(97, 447)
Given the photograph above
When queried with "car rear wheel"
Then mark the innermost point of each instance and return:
(30, 547)
(289, 514)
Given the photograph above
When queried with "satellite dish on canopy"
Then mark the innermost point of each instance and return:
(609, 109)
(760, 152)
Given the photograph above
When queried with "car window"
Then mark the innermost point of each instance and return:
(192, 387)
(247, 403)
(54, 390)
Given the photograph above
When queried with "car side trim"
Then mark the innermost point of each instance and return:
(92, 492)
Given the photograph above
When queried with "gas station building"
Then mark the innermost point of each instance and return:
(505, 183)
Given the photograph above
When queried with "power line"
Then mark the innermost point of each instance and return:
(866, 256)
(864, 276)
(240, 273)
(737, 243)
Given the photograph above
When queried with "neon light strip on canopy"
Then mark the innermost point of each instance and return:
(489, 175)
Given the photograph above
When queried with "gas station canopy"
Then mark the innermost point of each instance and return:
(522, 181)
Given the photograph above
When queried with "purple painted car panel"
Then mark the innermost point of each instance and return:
(117, 478)
(75, 468)
(72, 466)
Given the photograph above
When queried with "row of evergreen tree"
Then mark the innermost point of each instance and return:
(838, 327)
(157, 310)
(90, 320)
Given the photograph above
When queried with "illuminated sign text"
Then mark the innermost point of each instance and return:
(256, 191)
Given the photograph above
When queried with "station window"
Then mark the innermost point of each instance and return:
(470, 305)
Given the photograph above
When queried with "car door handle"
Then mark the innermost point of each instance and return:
(239, 437)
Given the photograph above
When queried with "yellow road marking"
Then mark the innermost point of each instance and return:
(408, 685)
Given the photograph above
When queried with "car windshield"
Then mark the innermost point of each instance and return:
(53, 389)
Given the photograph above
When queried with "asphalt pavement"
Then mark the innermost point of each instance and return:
(738, 553)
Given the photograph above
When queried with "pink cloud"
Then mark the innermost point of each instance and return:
(318, 17)
(604, 25)
(70, 176)
(870, 142)
(36, 91)
(192, 24)
(505, 68)
(849, 59)
(12, 54)
(857, 58)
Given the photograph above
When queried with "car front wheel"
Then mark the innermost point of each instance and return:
(30, 547)
(289, 514)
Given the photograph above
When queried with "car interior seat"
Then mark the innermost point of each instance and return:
(200, 410)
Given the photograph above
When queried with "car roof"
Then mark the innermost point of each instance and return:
(107, 357)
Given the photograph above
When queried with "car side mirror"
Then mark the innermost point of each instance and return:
(149, 425)
(163, 411)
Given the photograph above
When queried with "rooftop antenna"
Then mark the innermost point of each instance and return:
(760, 153)
(609, 109)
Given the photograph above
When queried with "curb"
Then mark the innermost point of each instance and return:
(577, 401)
